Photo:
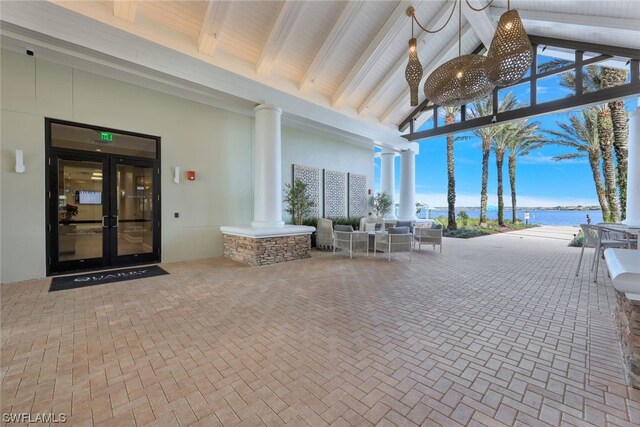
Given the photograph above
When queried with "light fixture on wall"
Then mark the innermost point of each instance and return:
(20, 168)
(470, 77)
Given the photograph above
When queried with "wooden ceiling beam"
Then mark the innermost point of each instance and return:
(125, 9)
(481, 21)
(278, 36)
(348, 15)
(589, 23)
(212, 26)
(397, 72)
(379, 46)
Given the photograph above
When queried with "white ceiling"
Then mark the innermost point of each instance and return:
(336, 65)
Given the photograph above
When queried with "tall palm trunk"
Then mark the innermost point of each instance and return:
(486, 150)
(594, 162)
(451, 180)
(605, 139)
(512, 182)
(614, 77)
(499, 163)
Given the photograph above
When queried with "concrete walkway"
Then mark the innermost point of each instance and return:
(493, 331)
(546, 232)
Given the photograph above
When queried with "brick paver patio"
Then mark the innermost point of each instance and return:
(494, 331)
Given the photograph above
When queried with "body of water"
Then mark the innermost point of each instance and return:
(541, 217)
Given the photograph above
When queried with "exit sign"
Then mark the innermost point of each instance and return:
(106, 136)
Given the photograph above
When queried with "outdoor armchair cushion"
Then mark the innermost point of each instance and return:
(436, 226)
(405, 224)
(347, 228)
(399, 230)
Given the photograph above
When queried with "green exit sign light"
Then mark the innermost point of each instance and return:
(106, 136)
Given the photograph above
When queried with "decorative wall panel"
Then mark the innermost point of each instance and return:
(311, 177)
(357, 195)
(335, 194)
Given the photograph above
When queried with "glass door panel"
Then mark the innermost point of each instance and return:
(80, 210)
(134, 209)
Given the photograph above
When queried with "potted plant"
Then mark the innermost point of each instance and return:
(299, 204)
(381, 204)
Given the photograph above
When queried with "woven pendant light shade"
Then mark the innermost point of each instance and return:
(413, 72)
(459, 81)
(510, 54)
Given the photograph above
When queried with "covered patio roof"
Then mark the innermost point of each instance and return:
(335, 65)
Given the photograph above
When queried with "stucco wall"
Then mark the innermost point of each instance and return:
(320, 152)
(214, 142)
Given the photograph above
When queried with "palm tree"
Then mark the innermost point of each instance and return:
(581, 134)
(605, 138)
(612, 128)
(614, 77)
(481, 108)
(501, 142)
(525, 140)
(450, 118)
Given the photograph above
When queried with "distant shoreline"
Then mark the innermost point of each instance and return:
(555, 208)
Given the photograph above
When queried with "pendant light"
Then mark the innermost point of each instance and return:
(510, 54)
(413, 72)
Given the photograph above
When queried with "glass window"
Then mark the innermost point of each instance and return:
(551, 58)
(80, 138)
(556, 87)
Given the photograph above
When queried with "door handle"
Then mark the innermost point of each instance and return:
(117, 220)
(103, 224)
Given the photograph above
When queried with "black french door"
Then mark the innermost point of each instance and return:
(104, 211)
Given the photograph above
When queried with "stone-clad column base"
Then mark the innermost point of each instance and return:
(266, 250)
(628, 320)
(267, 245)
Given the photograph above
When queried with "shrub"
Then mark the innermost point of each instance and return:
(466, 233)
(578, 240)
(381, 204)
(312, 222)
(342, 220)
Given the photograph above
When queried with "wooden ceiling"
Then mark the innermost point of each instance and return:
(344, 59)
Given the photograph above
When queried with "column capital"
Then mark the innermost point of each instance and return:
(268, 107)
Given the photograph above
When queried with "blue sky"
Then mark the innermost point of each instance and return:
(540, 181)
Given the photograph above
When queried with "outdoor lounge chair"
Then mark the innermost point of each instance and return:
(425, 235)
(324, 234)
(345, 238)
(364, 221)
(396, 239)
(609, 237)
(591, 240)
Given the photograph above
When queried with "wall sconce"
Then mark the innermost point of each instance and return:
(20, 168)
(191, 175)
(176, 175)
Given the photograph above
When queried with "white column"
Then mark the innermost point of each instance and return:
(388, 178)
(407, 185)
(633, 172)
(267, 168)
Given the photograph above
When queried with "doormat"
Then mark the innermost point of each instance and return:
(102, 277)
